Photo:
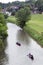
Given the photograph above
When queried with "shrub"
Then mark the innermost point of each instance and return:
(6, 16)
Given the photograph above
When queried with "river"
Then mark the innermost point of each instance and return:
(17, 55)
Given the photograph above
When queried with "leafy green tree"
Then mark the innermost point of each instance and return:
(13, 13)
(3, 27)
(23, 15)
(39, 5)
(2, 19)
(3, 32)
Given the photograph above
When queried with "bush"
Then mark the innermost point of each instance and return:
(6, 16)
(3, 27)
(2, 19)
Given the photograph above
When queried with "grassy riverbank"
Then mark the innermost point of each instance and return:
(11, 19)
(36, 22)
(34, 27)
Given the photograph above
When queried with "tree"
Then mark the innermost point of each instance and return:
(2, 19)
(13, 13)
(0, 8)
(3, 27)
(5, 16)
(39, 5)
(3, 33)
(23, 15)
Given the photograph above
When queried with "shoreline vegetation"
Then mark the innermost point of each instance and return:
(35, 35)
(3, 33)
(34, 27)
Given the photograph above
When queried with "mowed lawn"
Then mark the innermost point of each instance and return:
(36, 22)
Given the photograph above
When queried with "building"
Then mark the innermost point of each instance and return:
(27, 0)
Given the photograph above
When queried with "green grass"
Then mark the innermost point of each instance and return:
(35, 27)
(36, 22)
(11, 19)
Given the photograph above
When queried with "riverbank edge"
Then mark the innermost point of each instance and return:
(35, 35)
(11, 19)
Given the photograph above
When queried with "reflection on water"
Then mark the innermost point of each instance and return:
(15, 55)
(3, 55)
(22, 37)
(3, 59)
